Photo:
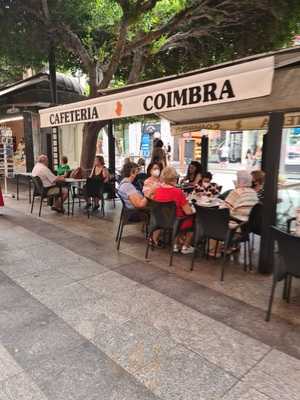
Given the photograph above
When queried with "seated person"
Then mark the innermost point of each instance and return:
(243, 198)
(128, 192)
(258, 181)
(194, 174)
(63, 169)
(206, 186)
(98, 176)
(153, 181)
(169, 192)
(49, 180)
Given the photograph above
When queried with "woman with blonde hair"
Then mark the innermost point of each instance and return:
(169, 192)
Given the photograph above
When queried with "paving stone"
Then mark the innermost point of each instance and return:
(8, 366)
(20, 387)
(86, 373)
(140, 272)
(185, 375)
(276, 376)
(223, 346)
(82, 270)
(243, 392)
(67, 297)
(92, 318)
(43, 282)
(109, 284)
(32, 344)
(133, 344)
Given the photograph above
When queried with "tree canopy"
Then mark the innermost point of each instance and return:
(119, 41)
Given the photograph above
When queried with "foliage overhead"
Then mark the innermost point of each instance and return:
(116, 41)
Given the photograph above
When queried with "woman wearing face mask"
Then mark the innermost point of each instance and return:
(153, 181)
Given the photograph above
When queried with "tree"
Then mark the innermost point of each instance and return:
(123, 41)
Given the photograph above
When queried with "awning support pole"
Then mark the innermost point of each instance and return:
(272, 147)
(111, 148)
(204, 153)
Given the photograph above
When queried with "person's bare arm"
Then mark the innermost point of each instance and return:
(105, 175)
(137, 201)
(187, 209)
(197, 179)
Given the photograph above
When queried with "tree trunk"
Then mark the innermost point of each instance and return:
(89, 141)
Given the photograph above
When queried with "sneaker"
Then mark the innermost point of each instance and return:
(176, 249)
(187, 250)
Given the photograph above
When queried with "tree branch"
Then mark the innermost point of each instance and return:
(116, 56)
(138, 63)
(45, 9)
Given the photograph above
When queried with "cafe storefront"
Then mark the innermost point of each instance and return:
(257, 94)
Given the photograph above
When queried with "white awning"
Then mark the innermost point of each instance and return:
(243, 81)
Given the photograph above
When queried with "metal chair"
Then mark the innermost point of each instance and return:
(163, 218)
(130, 216)
(40, 191)
(213, 223)
(95, 188)
(287, 266)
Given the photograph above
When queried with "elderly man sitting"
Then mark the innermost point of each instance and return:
(49, 180)
(241, 200)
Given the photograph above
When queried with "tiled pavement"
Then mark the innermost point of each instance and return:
(79, 320)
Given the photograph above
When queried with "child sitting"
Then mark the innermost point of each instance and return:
(63, 168)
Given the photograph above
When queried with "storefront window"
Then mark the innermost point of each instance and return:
(289, 176)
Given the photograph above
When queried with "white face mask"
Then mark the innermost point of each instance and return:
(155, 173)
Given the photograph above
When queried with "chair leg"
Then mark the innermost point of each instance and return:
(172, 251)
(245, 256)
(148, 246)
(194, 258)
(32, 203)
(250, 255)
(119, 228)
(224, 261)
(253, 241)
(271, 301)
(41, 203)
(285, 288)
(73, 201)
(120, 236)
(289, 289)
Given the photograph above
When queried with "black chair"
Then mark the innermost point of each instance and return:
(213, 223)
(163, 218)
(95, 187)
(130, 216)
(43, 192)
(287, 266)
(289, 223)
(254, 225)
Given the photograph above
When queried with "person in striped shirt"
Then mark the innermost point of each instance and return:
(241, 200)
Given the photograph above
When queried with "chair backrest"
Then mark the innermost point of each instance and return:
(255, 219)
(38, 187)
(212, 222)
(162, 215)
(289, 250)
(94, 187)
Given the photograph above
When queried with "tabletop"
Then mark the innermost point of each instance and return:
(24, 173)
(74, 180)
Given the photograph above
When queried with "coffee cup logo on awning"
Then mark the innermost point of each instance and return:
(67, 117)
(119, 108)
(188, 96)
